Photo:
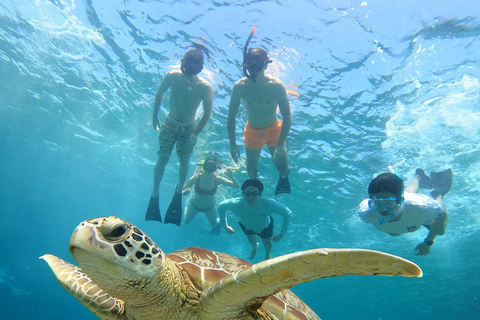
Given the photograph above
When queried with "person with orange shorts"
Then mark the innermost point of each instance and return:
(261, 94)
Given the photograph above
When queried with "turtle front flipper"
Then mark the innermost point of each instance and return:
(85, 290)
(246, 290)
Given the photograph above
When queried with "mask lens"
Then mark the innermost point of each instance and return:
(255, 65)
(253, 194)
(382, 203)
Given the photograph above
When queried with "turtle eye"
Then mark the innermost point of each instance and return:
(118, 231)
(114, 231)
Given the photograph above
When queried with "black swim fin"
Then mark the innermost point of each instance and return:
(153, 210)
(174, 211)
(216, 229)
(424, 181)
(283, 185)
(441, 181)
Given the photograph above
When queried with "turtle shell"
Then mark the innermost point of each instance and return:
(206, 267)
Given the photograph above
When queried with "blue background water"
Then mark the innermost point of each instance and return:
(382, 85)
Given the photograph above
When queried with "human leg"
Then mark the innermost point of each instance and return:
(252, 238)
(182, 173)
(421, 180)
(280, 159)
(253, 157)
(158, 172)
(190, 212)
(267, 243)
(212, 217)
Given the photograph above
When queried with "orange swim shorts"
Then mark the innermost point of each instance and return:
(257, 138)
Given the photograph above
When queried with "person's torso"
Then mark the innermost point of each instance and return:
(186, 94)
(260, 99)
(418, 210)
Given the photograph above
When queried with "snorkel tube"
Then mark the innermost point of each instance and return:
(245, 50)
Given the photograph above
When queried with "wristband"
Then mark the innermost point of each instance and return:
(428, 242)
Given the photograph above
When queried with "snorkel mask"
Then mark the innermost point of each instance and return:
(209, 166)
(254, 60)
(385, 204)
(192, 62)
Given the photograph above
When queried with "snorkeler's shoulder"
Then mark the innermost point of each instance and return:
(274, 81)
(203, 82)
(241, 82)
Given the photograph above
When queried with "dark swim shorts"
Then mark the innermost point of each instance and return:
(265, 234)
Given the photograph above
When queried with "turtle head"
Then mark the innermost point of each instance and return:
(112, 251)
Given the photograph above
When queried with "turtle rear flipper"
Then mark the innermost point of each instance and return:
(75, 281)
(249, 288)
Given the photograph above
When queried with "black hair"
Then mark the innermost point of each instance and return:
(210, 165)
(192, 62)
(254, 183)
(386, 182)
(254, 61)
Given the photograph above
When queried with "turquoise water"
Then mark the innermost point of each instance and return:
(381, 85)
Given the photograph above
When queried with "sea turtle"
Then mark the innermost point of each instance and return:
(124, 275)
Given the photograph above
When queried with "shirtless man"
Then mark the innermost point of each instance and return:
(187, 91)
(255, 216)
(261, 94)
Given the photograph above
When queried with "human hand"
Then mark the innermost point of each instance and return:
(186, 191)
(230, 229)
(156, 123)
(422, 249)
(194, 137)
(277, 238)
(235, 152)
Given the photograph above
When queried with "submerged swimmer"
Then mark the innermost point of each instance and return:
(261, 94)
(205, 186)
(255, 216)
(187, 92)
(392, 211)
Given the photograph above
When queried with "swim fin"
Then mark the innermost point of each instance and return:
(441, 181)
(283, 185)
(216, 229)
(424, 181)
(174, 211)
(153, 210)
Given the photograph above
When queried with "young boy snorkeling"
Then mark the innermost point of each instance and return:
(260, 95)
(393, 212)
(187, 91)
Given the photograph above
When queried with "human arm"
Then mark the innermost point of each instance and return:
(231, 124)
(207, 109)
(284, 107)
(437, 227)
(164, 85)
(232, 181)
(189, 184)
(221, 210)
(285, 212)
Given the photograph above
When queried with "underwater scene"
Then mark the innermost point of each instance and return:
(373, 86)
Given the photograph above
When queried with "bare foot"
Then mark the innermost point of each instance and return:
(254, 252)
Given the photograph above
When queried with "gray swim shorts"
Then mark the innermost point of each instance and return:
(172, 131)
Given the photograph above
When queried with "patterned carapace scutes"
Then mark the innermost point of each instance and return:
(205, 267)
(123, 275)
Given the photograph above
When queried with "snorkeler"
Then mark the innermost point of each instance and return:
(392, 211)
(187, 91)
(255, 216)
(260, 95)
(205, 185)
